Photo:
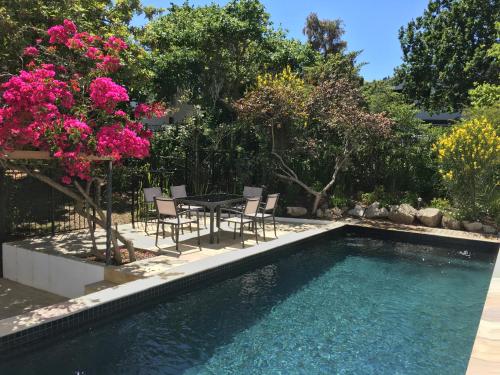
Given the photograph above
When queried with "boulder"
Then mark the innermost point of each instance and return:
(373, 211)
(488, 229)
(336, 212)
(430, 217)
(450, 223)
(472, 226)
(357, 211)
(403, 214)
(296, 211)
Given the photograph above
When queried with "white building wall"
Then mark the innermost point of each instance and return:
(52, 273)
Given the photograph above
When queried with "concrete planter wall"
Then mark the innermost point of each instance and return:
(56, 274)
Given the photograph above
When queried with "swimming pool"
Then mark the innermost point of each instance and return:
(351, 305)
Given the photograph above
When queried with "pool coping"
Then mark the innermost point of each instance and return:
(22, 330)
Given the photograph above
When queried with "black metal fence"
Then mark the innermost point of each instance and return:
(30, 208)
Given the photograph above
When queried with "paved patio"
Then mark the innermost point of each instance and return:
(16, 299)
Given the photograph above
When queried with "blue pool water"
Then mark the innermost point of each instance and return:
(340, 306)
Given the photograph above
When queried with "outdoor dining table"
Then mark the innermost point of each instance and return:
(213, 203)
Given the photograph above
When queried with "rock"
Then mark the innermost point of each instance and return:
(296, 211)
(430, 216)
(319, 213)
(357, 211)
(336, 212)
(450, 223)
(404, 214)
(488, 229)
(470, 226)
(373, 211)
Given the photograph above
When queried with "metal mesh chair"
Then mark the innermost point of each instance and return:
(179, 192)
(267, 210)
(149, 210)
(247, 216)
(168, 214)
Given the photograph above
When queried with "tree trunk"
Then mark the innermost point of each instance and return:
(317, 200)
(80, 200)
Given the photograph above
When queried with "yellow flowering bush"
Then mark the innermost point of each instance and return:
(469, 164)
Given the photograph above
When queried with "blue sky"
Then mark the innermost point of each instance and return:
(371, 25)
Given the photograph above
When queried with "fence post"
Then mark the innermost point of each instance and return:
(52, 213)
(3, 215)
(109, 194)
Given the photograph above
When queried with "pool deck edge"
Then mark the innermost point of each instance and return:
(485, 356)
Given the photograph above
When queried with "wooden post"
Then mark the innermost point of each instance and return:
(109, 195)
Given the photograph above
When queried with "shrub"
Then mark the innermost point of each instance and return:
(469, 161)
(339, 201)
(442, 203)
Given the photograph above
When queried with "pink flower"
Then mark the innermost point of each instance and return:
(115, 43)
(120, 113)
(69, 26)
(93, 53)
(57, 34)
(109, 64)
(31, 51)
(66, 180)
(105, 94)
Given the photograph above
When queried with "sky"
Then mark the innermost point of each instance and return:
(371, 25)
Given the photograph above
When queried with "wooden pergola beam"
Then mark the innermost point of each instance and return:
(44, 155)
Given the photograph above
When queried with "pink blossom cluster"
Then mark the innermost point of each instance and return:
(70, 113)
(123, 141)
(149, 110)
(92, 46)
(105, 94)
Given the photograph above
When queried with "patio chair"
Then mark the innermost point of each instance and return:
(149, 198)
(249, 192)
(247, 216)
(167, 212)
(179, 192)
(268, 209)
(252, 191)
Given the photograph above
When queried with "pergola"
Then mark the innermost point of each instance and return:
(45, 155)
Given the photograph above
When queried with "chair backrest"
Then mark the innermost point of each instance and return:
(252, 206)
(151, 193)
(178, 191)
(166, 206)
(252, 191)
(272, 201)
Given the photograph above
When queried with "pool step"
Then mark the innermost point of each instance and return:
(100, 285)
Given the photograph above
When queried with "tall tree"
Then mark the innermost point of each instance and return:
(325, 35)
(23, 21)
(445, 51)
(214, 52)
(310, 127)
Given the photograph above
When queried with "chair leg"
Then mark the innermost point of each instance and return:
(163, 229)
(242, 236)
(256, 234)
(264, 228)
(157, 231)
(177, 239)
(234, 232)
(190, 227)
(198, 227)
(274, 224)
(204, 217)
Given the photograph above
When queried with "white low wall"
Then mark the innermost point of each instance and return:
(56, 274)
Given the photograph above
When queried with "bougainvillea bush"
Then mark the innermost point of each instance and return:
(65, 101)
